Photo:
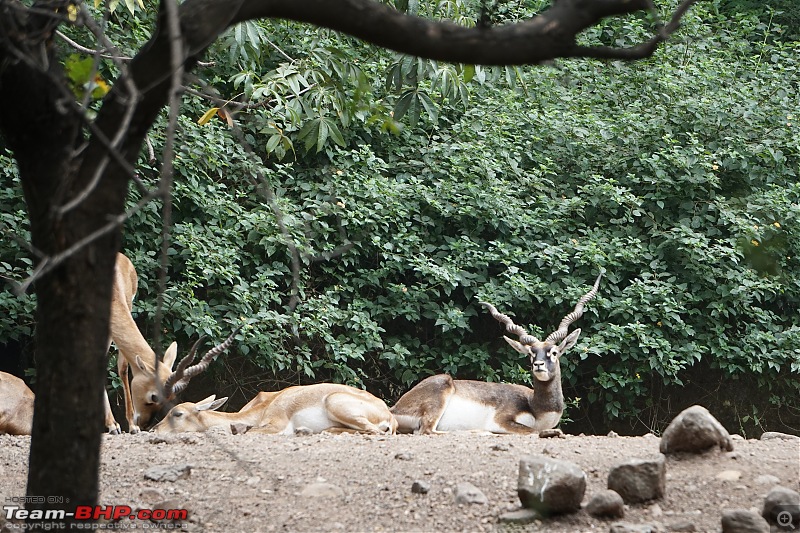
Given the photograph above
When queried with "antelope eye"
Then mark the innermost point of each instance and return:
(177, 414)
(153, 398)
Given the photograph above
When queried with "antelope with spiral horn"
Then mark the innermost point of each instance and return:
(153, 383)
(439, 404)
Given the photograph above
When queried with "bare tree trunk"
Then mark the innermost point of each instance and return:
(73, 300)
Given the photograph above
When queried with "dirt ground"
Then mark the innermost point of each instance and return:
(359, 483)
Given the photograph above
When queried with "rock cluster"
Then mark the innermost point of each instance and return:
(548, 486)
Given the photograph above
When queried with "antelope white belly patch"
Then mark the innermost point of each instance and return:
(465, 415)
(526, 419)
(314, 418)
(547, 421)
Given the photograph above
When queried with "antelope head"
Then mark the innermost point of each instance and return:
(189, 416)
(544, 355)
(151, 388)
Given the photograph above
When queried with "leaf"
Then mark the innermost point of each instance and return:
(469, 73)
(207, 116)
(430, 107)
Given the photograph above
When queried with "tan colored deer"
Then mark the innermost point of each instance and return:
(16, 406)
(153, 383)
(316, 408)
(439, 404)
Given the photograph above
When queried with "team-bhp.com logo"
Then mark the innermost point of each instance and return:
(114, 513)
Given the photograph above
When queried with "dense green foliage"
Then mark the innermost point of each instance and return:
(413, 190)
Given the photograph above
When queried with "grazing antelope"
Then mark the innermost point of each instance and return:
(322, 407)
(153, 382)
(16, 406)
(440, 403)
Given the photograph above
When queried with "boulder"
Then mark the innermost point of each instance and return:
(550, 486)
(639, 480)
(694, 430)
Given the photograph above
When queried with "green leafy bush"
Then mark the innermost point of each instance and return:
(677, 176)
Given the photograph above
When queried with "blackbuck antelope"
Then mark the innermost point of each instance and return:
(153, 383)
(316, 408)
(16, 406)
(440, 403)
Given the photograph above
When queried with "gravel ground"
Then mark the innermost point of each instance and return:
(363, 483)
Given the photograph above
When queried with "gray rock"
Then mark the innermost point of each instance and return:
(404, 456)
(639, 480)
(694, 430)
(470, 494)
(741, 521)
(623, 527)
(606, 504)
(420, 487)
(684, 526)
(771, 435)
(168, 473)
(322, 491)
(767, 479)
(520, 516)
(238, 428)
(550, 486)
(781, 500)
(550, 433)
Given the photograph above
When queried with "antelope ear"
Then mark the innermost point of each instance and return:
(518, 346)
(212, 405)
(569, 342)
(143, 367)
(171, 354)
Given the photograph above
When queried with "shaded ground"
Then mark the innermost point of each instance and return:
(261, 482)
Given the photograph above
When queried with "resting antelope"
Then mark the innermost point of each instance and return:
(16, 405)
(153, 382)
(440, 403)
(316, 408)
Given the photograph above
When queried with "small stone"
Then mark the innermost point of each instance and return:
(302, 432)
(656, 511)
(150, 495)
(729, 475)
(772, 435)
(520, 516)
(684, 526)
(239, 428)
(550, 433)
(220, 430)
(639, 480)
(623, 527)
(420, 487)
(500, 447)
(741, 521)
(404, 456)
(168, 473)
(767, 479)
(322, 490)
(607, 503)
(467, 493)
(613, 434)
